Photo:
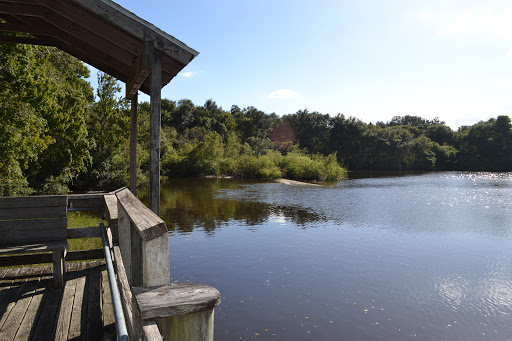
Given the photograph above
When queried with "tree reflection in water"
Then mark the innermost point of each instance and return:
(193, 203)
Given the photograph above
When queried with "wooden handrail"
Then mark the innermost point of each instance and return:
(143, 240)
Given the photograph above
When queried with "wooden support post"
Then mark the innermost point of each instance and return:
(125, 239)
(133, 146)
(182, 311)
(59, 268)
(154, 132)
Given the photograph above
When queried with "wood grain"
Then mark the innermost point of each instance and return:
(84, 232)
(177, 299)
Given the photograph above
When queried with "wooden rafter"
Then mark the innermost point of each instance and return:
(141, 70)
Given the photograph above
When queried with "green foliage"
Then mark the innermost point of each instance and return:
(43, 136)
(108, 123)
(55, 134)
(486, 145)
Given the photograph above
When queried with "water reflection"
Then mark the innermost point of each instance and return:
(188, 204)
(424, 256)
(451, 202)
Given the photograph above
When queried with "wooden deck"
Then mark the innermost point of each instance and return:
(30, 309)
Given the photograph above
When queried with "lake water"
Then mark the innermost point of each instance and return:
(425, 257)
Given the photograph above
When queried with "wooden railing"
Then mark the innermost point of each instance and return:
(153, 306)
(138, 242)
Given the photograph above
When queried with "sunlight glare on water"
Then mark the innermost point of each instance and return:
(425, 256)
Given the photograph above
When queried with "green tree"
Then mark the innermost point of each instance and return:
(108, 122)
(43, 136)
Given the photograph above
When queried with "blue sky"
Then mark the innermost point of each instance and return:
(368, 59)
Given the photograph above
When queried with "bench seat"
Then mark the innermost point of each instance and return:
(33, 225)
(34, 247)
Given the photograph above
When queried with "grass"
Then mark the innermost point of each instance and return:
(84, 219)
(78, 219)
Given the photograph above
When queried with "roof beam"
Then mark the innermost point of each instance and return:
(88, 46)
(96, 25)
(12, 19)
(30, 29)
(141, 70)
(25, 10)
(29, 40)
(141, 29)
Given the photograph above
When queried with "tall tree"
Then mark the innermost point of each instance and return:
(43, 136)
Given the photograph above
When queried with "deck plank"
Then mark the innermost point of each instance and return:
(107, 308)
(13, 292)
(94, 319)
(76, 325)
(49, 312)
(13, 322)
(33, 311)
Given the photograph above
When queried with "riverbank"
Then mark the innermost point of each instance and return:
(296, 183)
(271, 164)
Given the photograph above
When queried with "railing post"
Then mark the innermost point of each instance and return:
(125, 242)
(181, 311)
(144, 242)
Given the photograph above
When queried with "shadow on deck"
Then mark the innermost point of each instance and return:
(31, 309)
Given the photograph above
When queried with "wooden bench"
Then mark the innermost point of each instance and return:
(33, 225)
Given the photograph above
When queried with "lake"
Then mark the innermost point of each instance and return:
(377, 257)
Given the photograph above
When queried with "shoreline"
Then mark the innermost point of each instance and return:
(296, 183)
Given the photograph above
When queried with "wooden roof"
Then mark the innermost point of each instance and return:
(98, 32)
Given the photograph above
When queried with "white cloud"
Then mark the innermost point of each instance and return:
(283, 94)
(463, 22)
(190, 74)
(497, 24)
(427, 15)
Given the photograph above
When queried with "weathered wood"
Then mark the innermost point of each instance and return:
(8, 302)
(25, 259)
(125, 241)
(23, 9)
(77, 323)
(155, 260)
(63, 321)
(144, 242)
(26, 231)
(112, 33)
(133, 144)
(141, 70)
(30, 235)
(15, 318)
(107, 309)
(132, 318)
(44, 41)
(92, 200)
(85, 254)
(12, 19)
(59, 268)
(94, 318)
(148, 225)
(154, 134)
(26, 328)
(151, 332)
(111, 204)
(141, 29)
(32, 213)
(93, 23)
(84, 232)
(194, 326)
(175, 299)
(35, 247)
(33, 201)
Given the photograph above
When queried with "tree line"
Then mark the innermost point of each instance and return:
(57, 135)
